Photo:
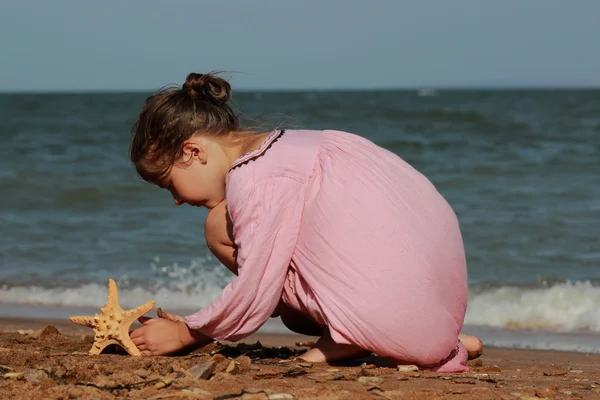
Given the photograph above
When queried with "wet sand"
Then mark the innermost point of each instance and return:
(57, 366)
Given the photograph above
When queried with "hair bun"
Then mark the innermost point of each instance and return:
(210, 87)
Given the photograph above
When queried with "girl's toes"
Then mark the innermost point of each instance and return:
(473, 345)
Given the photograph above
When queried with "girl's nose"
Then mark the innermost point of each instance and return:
(177, 201)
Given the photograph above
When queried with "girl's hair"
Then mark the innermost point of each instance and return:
(172, 115)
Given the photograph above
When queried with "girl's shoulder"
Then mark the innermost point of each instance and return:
(284, 154)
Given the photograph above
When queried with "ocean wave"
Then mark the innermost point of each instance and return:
(568, 306)
(171, 286)
(94, 295)
(563, 307)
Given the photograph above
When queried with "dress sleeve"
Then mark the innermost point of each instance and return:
(265, 228)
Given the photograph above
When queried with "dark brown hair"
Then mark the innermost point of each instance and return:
(172, 115)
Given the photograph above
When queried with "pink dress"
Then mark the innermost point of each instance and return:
(376, 253)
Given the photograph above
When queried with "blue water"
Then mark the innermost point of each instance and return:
(520, 168)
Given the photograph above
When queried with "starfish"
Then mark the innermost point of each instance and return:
(112, 326)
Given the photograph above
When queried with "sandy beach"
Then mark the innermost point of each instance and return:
(41, 362)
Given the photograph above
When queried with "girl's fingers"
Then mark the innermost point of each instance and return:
(138, 341)
(145, 320)
(146, 353)
(136, 333)
(142, 348)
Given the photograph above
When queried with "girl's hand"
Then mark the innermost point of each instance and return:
(159, 336)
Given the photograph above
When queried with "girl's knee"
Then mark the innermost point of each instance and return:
(219, 237)
(217, 227)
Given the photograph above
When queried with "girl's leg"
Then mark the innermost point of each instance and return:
(218, 232)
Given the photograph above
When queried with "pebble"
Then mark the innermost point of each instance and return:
(142, 373)
(165, 382)
(268, 375)
(217, 358)
(197, 391)
(45, 332)
(25, 331)
(280, 396)
(370, 379)
(325, 377)
(244, 363)
(13, 375)
(546, 370)
(379, 392)
(554, 371)
(232, 368)
(246, 396)
(407, 368)
(256, 391)
(202, 371)
(35, 376)
(305, 365)
(5, 368)
(367, 366)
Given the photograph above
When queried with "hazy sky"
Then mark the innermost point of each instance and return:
(285, 44)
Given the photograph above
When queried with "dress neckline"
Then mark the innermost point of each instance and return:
(259, 151)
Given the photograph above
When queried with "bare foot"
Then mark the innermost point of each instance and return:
(472, 344)
(327, 350)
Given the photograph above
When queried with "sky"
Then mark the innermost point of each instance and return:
(111, 45)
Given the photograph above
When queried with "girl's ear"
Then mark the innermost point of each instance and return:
(192, 150)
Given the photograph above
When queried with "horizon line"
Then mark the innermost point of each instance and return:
(433, 88)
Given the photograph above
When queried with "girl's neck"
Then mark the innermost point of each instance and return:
(243, 143)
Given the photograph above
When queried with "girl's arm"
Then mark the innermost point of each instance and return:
(267, 223)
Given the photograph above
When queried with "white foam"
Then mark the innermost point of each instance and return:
(570, 306)
(173, 287)
(92, 295)
(564, 307)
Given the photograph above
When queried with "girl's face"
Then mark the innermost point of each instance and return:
(198, 179)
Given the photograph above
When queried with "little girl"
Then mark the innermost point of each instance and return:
(340, 237)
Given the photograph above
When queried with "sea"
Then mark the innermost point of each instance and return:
(521, 168)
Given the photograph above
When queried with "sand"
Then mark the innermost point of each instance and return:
(56, 365)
